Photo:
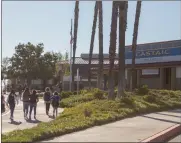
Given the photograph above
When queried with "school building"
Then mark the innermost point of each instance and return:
(158, 65)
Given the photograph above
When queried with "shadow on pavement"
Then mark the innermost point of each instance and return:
(52, 117)
(15, 122)
(164, 120)
(33, 121)
(169, 115)
(175, 111)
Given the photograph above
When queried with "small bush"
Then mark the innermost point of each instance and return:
(65, 94)
(84, 91)
(87, 112)
(98, 94)
(150, 98)
(143, 90)
(128, 100)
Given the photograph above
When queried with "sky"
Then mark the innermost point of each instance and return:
(48, 22)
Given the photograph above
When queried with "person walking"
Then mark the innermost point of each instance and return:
(26, 95)
(20, 91)
(2, 103)
(33, 100)
(11, 101)
(46, 98)
(55, 103)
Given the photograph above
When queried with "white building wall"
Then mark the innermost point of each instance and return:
(178, 72)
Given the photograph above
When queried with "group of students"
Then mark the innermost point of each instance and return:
(30, 100)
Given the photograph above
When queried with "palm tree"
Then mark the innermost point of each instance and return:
(134, 44)
(112, 49)
(123, 6)
(76, 17)
(100, 71)
(92, 41)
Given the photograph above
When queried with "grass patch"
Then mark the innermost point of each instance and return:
(88, 110)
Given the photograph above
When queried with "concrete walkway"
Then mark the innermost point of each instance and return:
(128, 130)
(20, 122)
(176, 139)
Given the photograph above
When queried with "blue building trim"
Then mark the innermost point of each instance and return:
(154, 53)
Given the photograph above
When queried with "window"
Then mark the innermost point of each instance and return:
(150, 71)
(177, 44)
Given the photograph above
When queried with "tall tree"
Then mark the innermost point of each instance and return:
(24, 62)
(76, 17)
(134, 44)
(28, 62)
(123, 6)
(92, 41)
(4, 66)
(112, 49)
(100, 71)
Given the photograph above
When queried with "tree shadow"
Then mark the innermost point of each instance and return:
(168, 115)
(164, 120)
(15, 122)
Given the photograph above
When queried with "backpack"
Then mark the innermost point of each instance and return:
(47, 96)
(11, 99)
(55, 100)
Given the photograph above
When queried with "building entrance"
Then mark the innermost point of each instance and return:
(167, 78)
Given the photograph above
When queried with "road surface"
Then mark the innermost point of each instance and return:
(20, 122)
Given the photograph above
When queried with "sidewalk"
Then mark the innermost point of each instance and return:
(20, 122)
(128, 130)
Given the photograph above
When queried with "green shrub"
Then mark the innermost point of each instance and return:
(98, 94)
(65, 94)
(150, 98)
(128, 100)
(76, 99)
(84, 91)
(143, 90)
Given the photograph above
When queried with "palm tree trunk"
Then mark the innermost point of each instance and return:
(134, 44)
(100, 71)
(92, 41)
(112, 49)
(76, 17)
(123, 5)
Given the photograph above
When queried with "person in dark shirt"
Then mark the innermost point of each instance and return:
(33, 99)
(47, 100)
(2, 103)
(11, 101)
(55, 99)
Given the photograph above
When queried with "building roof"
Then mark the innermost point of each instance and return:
(84, 58)
(140, 47)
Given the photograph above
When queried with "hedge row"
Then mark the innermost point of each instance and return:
(97, 112)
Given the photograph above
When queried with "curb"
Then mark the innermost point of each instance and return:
(164, 135)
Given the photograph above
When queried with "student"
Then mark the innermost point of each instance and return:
(26, 95)
(11, 101)
(2, 103)
(46, 98)
(20, 92)
(33, 99)
(55, 103)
